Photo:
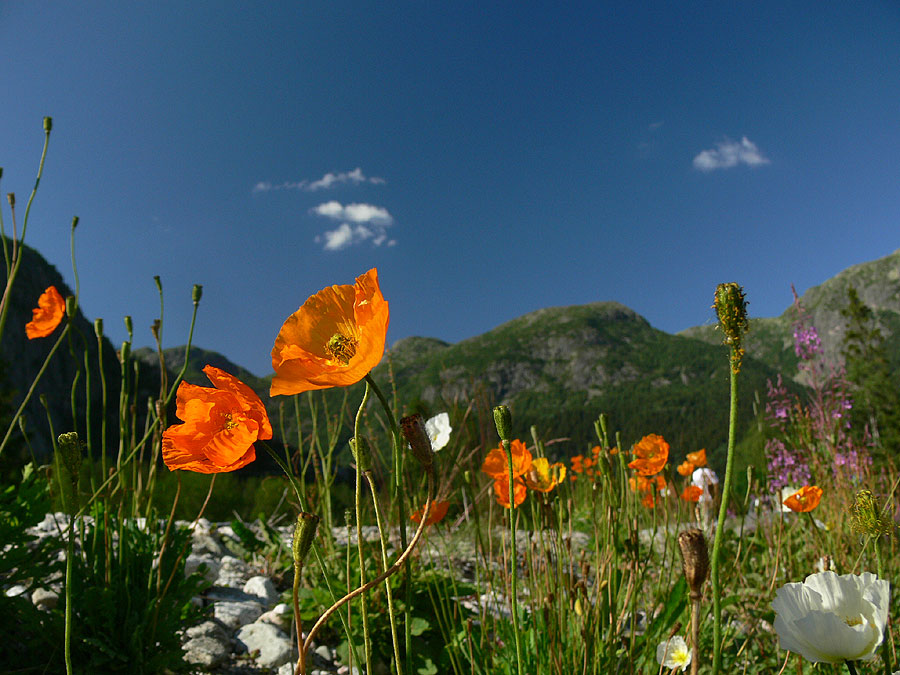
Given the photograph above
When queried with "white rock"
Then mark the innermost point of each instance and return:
(206, 651)
(16, 590)
(233, 572)
(237, 614)
(281, 615)
(263, 588)
(194, 560)
(273, 644)
(43, 598)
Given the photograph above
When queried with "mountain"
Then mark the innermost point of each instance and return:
(557, 368)
(771, 339)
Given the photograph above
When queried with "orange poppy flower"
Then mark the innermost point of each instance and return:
(47, 315)
(544, 476)
(333, 340)
(640, 484)
(613, 451)
(220, 426)
(496, 464)
(692, 493)
(578, 463)
(805, 499)
(698, 458)
(436, 515)
(501, 491)
(595, 451)
(649, 500)
(652, 453)
(686, 469)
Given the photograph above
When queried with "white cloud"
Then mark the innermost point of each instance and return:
(730, 153)
(369, 223)
(329, 180)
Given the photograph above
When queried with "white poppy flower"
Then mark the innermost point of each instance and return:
(786, 492)
(832, 619)
(438, 429)
(673, 653)
(703, 478)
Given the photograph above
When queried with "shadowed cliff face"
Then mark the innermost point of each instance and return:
(23, 358)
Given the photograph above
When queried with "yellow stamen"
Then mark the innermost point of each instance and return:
(341, 347)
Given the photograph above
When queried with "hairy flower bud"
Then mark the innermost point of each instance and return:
(125, 352)
(503, 422)
(98, 327)
(359, 448)
(731, 310)
(868, 517)
(71, 306)
(304, 534)
(75, 220)
(48, 124)
(129, 326)
(694, 560)
(413, 428)
(197, 293)
(70, 454)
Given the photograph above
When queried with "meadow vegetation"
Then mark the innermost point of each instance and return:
(494, 553)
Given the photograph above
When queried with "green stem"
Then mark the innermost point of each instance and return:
(363, 605)
(886, 641)
(720, 528)
(12, 424)
(514, 557)
(384, 565)
(401, 512)
(18, 254)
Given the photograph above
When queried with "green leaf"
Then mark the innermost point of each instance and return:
(418, 625)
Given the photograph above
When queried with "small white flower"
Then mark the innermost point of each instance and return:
(703, 478)
(673, 653)
(438, 429)
(832, 619)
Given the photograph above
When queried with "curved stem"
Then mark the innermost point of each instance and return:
(388, 572)
(363, 605)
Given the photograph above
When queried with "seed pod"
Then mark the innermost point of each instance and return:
(304, 534)
(413, 428)
(694, 560)
(503, 422)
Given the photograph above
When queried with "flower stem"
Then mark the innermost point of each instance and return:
(514, 556)
(851, 667)
(367, 639)
(720, 528)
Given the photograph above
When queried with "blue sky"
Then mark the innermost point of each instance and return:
(488, 161)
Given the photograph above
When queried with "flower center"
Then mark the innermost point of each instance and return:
(853, 620)
(341, 347)
(229, 421)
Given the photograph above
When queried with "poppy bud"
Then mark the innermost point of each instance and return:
(74, 222)
(70, 454)
(503, 422)
(125, 352)
(11, 198)
(413, 428)
(304, 534)
(98, 327)
(155, 327)
(71, 306)
(48, 124)
(197, 293)
(359, 448)
(694, 560)
(129, 326)
(731, 310)
(158, 282)
(868, 517)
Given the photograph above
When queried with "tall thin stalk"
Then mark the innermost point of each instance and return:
(731, 309)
